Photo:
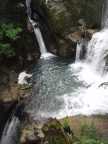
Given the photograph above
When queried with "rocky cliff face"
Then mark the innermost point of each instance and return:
(66, 17)
(65, 14)
(62, 18)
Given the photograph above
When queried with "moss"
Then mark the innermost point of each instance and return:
(65, 15)
(54, 133)
(57, 20)
(25, 87)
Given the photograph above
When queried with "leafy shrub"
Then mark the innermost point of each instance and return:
(89, 135)
(8, 34)
(89, 131)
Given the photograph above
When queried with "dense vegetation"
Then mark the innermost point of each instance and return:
(8, 34)
(88, 134)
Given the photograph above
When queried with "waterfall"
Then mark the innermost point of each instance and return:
(81, 49)
(40, 40)
(28, 3)
(12, 129)
(78, 51)
(92, 72)
(37, 31)
(10, 133)
(39, 37)
(97, 49)
(105, 14)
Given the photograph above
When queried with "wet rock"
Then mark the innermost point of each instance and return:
(75, 37)
(67, 48)
(31, 133)
(79, 35)
(47, 132)
(54, 132)
(9, 89)
(65, 17)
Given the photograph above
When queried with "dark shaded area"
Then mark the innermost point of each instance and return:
(26, 48)
(6, 110)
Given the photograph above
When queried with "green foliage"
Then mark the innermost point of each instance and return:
(8, 34)
(65, 122)
(89, 135)
(10, 31)
(89, 131)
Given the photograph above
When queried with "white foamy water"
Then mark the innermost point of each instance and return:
(10, 135)
(90, 100)
(40, 40)
(79, 48)
(97, 51)
(43, 50)
(47, 55)
(93, 99)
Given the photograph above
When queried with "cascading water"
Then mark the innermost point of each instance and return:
(78, 51)
(12, 129)
(98, 51)
(105, 14)
(39, 37)
(81, 49)
(93, 72)
(11, 132)
(37, 31)
(63, 89)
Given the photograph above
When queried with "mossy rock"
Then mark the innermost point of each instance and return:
(54, 133)
(64, 15)
(25, 87)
